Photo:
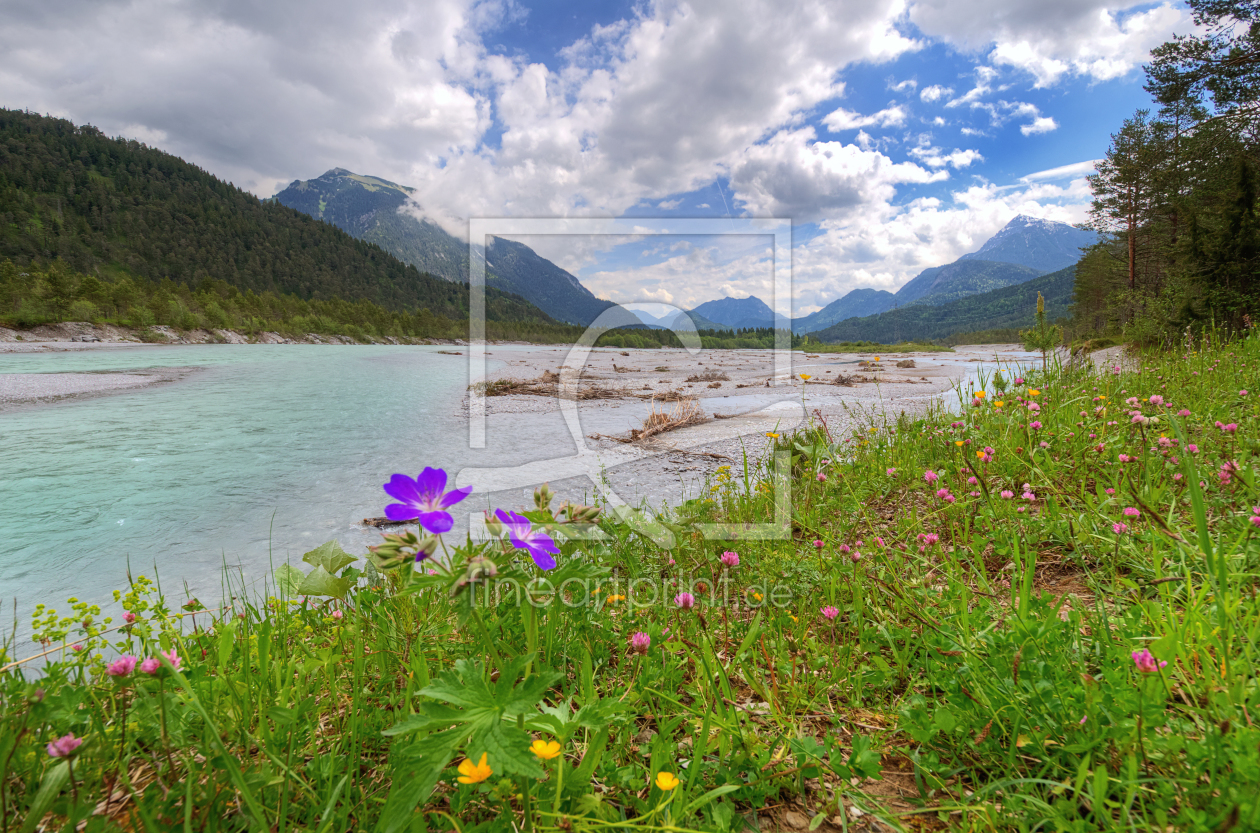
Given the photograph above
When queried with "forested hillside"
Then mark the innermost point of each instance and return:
(113, 208)
(1176, 193)
(1007, 308)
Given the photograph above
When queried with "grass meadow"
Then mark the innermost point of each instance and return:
(1038, 614)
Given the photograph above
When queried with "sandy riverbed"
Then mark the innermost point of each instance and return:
(739, 410)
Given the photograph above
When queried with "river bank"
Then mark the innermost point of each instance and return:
(78, 335)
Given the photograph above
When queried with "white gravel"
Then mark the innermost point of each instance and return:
(37, 388)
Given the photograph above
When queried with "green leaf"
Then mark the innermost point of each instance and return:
(715, 793)
(330, 556)
(415, 775)
(288, 579)
(320, 582)
(54, 782)
(507, 750)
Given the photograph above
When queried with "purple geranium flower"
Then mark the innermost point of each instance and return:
(424, 499)
(524, 537)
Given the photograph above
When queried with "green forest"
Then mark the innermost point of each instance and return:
(1175, 195)
(137, 236)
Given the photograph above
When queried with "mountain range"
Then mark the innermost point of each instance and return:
(384, 213)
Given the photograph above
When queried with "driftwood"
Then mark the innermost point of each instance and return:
(383, 522)
(687, 412)
(548, 384)
(710, 376)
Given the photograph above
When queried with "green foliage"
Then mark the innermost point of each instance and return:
(1009, 307)
(1176, 192)
(979, 660)
(328, 560)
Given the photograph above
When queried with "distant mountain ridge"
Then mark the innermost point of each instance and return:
(1044, 245)
(115, 208)
(749, 313)
(368, 207)
(1006, 308)
(376, 210)
(856, 304)
(515, 267)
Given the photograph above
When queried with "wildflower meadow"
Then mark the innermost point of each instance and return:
(1036, 613)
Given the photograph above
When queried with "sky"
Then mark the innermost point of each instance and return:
(894, 135)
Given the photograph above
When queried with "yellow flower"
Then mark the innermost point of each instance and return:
(615, 599)
(794, 619)
(772, 435)
(998, 404)
(980, 394)
(757, 596)
(666, 781)
(806, 377)
(470, 773)
(545, 749)
(979, 453)
(877, 358)
(1034, 393)
(958, 443)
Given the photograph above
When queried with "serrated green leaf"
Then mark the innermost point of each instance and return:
(330, 556)
(434, 715)
(464, 686)
(416, 777)
(289, 579)
(320, 582)
(507, 749)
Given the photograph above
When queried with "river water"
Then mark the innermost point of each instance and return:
(260, 454)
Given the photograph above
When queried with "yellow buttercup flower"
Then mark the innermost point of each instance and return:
(666, 781)
(470, 773)
(806, 377)
(545, 749)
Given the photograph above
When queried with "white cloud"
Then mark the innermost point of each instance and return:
(908, 84)
(1100, 39)
(843, 119)
(1073, 171)
(883, 247)
(668, 205)
(696, 275)
(792, 175)
(1041, 124)
(935, 93)
(934, 157)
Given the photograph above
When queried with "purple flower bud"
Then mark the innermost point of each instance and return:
(640, 642)
(685, 600)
